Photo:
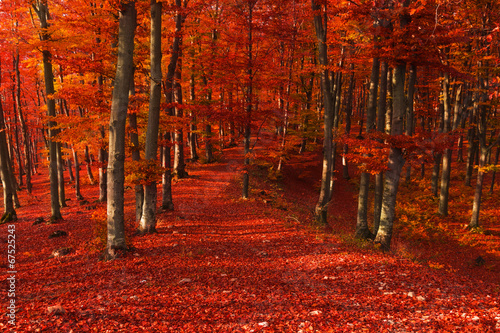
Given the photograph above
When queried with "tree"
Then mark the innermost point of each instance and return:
(396, 158)
(119, 106)
(41, 9)
(320, 24)
(8, 187)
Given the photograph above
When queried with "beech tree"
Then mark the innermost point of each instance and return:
(119, 106)
(148, 219)
(42, 11)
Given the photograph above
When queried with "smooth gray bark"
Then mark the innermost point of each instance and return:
(320, 24)
(148, 220)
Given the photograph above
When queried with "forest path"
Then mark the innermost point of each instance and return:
(222, 264)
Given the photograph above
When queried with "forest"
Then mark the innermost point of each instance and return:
(250, 165)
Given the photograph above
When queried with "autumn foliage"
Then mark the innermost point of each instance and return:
(247, 113)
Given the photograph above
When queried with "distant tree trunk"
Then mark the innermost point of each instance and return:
(192, 135)
(79, 196)
(8, 188)
(148, 219)
(102, 171)
(60, 176)
(119, 105)
(209, 157)
(167, 203)
(70, 168)
(103, 153)
(348, 114)
(493, 175)
(483, 109)
(379, 177)
(476, 206)
(446, 171)
(320, 20)
(179, 163)
(88, 166)
(436, 168)
(471, 152)
(136, 154)
(42, 11)
(410, 119)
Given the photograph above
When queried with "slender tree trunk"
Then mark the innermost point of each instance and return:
(8, 188)
(179, 163)
(79, 196)
(396, 161)
(379, 177)
(42, 11)
(102, 171)
(192, 136)
(60, 177)
(148, 219)
(493, 175)
(362, 229)
(249, 102)
(446, 171)
(88, 166)
(476, 206)
(136, 155)
(208, 144)
(167, 203)
(119, 105)
(24, 127)
(410, 119)
(471, 152)
(320, 21)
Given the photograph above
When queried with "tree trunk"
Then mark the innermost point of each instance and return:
(249, 102)
(8, 188)
(446, 171)
(88, 166)
(320, 20)
(24, 128)
(396, 161)
(179, 163)
(167, 203)
(102, 171)
(476, 206)
(42, 11)
(136, 154)
(60, 176)
(494, 173)
(148, 219)
(79, 196)
(471, 152)
(119, 105)
(379, 178)
(410, 118)
(362, 229)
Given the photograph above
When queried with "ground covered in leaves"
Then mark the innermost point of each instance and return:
(222, 264)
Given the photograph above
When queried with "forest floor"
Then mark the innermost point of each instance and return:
(222, 264)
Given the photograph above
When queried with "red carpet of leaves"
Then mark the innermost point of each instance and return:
(222, 264)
